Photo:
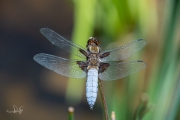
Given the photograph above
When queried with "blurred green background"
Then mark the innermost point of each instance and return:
(152, 93)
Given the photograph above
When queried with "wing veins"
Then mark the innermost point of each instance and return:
(61, 42)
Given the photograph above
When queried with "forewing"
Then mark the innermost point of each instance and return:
(117, 70)
(60, 65)
(61, 42)
(125, 51)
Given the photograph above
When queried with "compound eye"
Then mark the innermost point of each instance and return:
(97, 42)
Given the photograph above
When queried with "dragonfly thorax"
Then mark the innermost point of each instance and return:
(93, 61)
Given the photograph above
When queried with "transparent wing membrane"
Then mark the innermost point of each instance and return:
(60, 65)
(117, 70)
(70, 68)
(123, 52)
(61, 42)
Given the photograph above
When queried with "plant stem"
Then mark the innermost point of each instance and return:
(113, 117)
(142, 107)
(103, 99)
(70, 113)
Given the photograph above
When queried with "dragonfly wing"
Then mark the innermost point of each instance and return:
(60, 65)
(125, 51)
(117, 70)
(61, 42)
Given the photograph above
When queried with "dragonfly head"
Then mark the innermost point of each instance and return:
(93, 45)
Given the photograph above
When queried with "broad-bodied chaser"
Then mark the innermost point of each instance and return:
(94, 64)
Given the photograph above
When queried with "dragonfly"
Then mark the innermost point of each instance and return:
(93, 63)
